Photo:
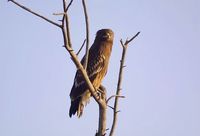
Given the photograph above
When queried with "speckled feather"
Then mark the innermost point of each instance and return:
(98, 60)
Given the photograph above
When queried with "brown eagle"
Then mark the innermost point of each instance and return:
(98, 60)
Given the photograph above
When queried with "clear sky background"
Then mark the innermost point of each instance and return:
(161, 81)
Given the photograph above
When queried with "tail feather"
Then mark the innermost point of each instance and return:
(74, 107)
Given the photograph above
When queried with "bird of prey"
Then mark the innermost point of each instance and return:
(98, 59)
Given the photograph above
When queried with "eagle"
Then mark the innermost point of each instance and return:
(98, 60)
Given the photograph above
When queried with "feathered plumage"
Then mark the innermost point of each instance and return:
(98, 60)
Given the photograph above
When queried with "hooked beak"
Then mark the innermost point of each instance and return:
(107, 36)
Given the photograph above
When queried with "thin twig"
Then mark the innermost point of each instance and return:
(81, 47)
(128, 41)
(69, 5)
(32, 12)
(58, 14)
(110, 107)
(113, 96)
(118, 91)
(87, 34)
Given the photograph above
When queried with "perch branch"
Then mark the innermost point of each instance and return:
(34, 13)
(67, 42)
(101, 102)
(68, 46)
(74, 57)
(102, 114)
(79, 65)
(118, 91)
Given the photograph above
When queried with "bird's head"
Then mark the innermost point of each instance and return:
(105, 35)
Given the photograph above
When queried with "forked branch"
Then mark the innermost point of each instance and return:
(113, 96)
(68, 46)
(67, 42)
(118, 91)
(34, 13)
(81, 47)
(65, 23)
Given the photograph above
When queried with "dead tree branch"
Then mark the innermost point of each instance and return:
(128, 41)
(68, 6)
(65, 22)
(34, 13)
(81, 47)
(101, 100)
(118, 91)
(113, 96)
(58, 14)
(102, 114)
(68, 46)
(67, 42)
(87, 34)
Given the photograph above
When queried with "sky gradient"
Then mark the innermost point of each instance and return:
(161, 81)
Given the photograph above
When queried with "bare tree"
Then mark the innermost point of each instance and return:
(65, 28)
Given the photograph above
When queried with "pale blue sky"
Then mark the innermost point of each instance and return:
(161, 81)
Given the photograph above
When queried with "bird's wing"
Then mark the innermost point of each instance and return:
(94, 66)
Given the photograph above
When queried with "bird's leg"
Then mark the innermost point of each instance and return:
(102, 92)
